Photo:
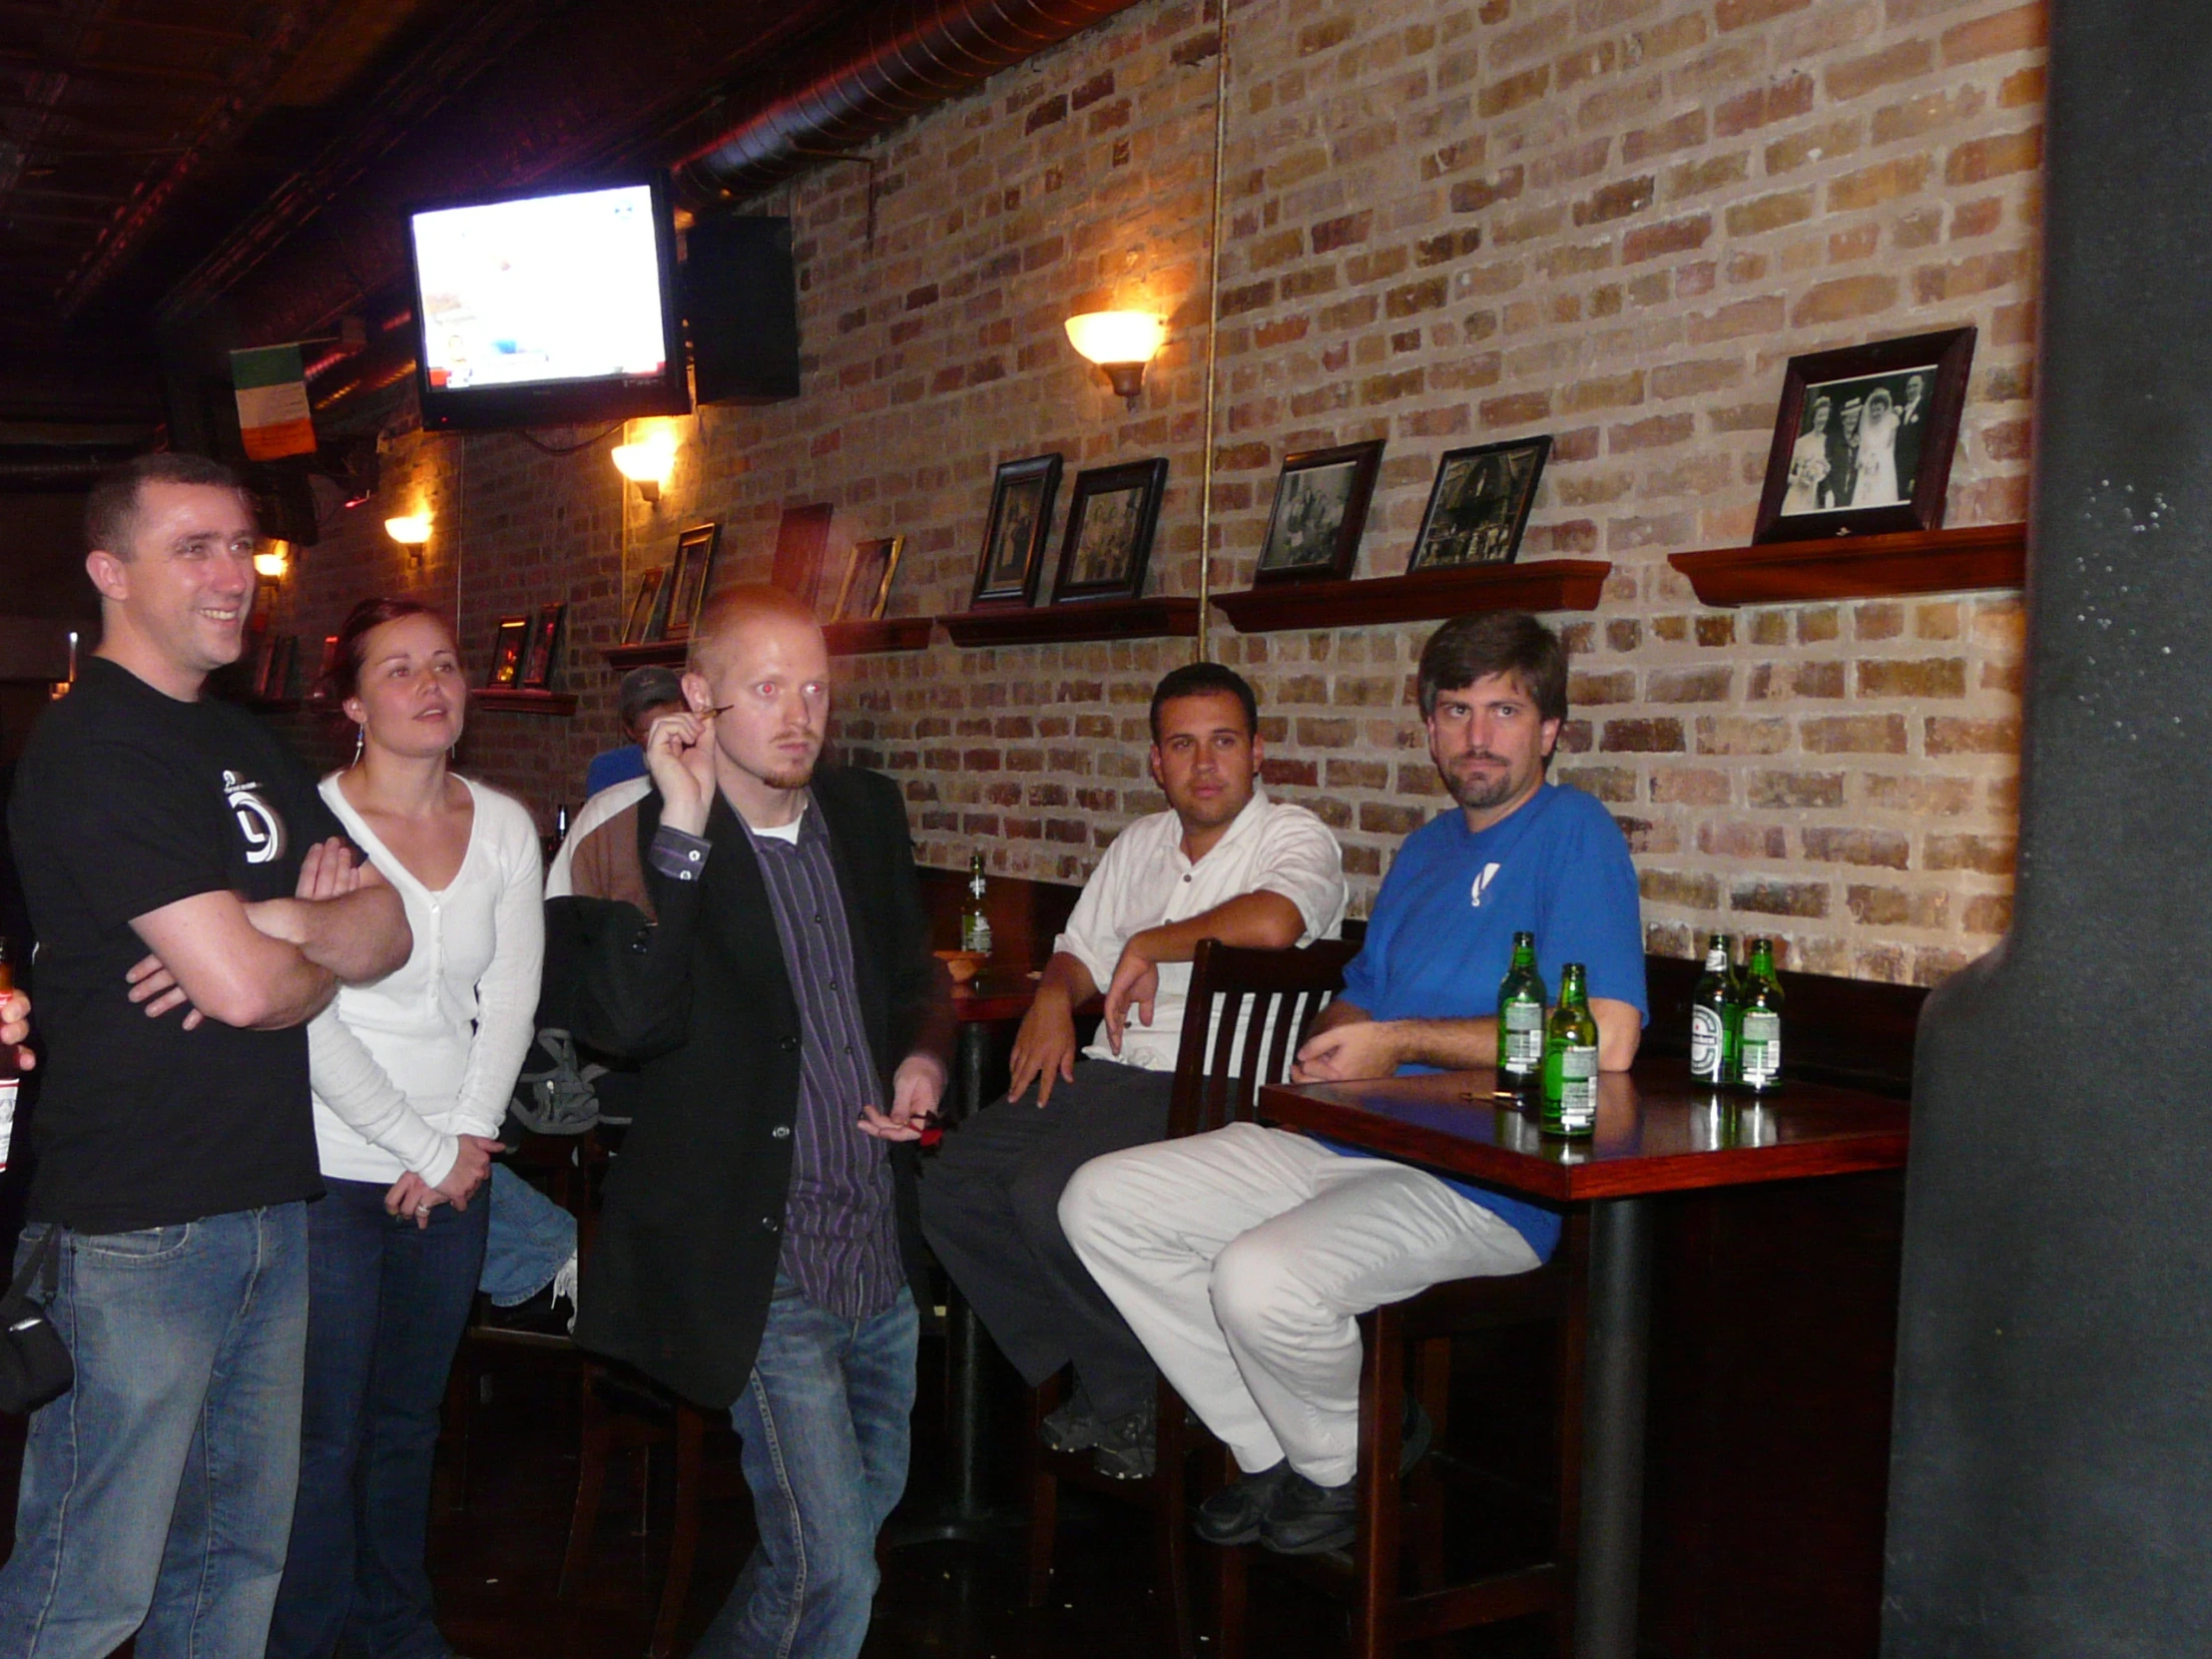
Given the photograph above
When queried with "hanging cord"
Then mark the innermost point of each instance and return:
(1212, 337)
(545, 449)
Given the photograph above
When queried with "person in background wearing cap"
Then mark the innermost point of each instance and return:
(647, 694)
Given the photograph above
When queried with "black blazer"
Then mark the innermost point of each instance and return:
(679, 1279)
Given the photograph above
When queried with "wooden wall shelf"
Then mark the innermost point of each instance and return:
(1859, 567)
(514, 700)
(1424, 596)
(845, 638)
(892, 633)
(652, 653)
(1097, 619)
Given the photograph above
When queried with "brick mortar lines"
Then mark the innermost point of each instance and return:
(1612, 221)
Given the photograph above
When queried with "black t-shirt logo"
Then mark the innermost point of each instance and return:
(258, 820)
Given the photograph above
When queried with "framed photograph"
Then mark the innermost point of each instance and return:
(1864, 438)
(281, 665)
(694, 568)
(1111, 517)
(545, 635)
(641, 608)
(1321, 506)
(265, 659)
(867, 587)
(266, 589)
(1021, 520)
(507, 647)
(1478, 505)
(326, 672)
(802, 538)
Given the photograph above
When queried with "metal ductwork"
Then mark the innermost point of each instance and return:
(907, 58)
(56, 468)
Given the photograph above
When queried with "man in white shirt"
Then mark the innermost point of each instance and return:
(1225, 862)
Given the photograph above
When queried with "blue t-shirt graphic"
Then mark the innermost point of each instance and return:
(1442, 930)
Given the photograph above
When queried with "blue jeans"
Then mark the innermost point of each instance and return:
(157, 1494)
(531, 1240)
(387, 1305)
(826, 1421)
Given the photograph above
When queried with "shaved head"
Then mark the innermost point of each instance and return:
(727, 614)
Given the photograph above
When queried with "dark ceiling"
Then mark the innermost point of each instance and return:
(230, 171)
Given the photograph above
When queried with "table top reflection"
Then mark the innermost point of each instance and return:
(1656, 1131)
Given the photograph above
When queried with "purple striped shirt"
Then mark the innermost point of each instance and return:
(840, 1230)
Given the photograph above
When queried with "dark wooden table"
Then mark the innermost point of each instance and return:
(997, 996)
(1656, 1133)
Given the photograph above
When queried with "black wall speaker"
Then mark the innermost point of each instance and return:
(743, 303)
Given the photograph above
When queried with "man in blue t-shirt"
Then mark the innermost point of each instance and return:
(1243, 1258)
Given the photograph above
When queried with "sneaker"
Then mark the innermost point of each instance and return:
(1306, 1519)
(1071, 1427)
(1234, 1514)
(564, 1288)
(1128, 1446)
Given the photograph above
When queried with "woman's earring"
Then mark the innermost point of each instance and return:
(360, 739)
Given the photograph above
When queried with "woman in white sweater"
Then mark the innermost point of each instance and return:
(411, 1078)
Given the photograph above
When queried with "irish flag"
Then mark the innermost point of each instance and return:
(272, 385)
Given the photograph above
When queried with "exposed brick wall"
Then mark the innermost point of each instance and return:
(1609, 220)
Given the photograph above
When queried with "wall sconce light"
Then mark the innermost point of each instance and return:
(274, 559)
(647, 463)
(409, 529)
(1120, 342)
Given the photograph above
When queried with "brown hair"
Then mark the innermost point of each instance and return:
(1471, 648)
(352, 652)
(732, 608)
(110, 510)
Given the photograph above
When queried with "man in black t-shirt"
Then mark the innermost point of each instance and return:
(195, 910)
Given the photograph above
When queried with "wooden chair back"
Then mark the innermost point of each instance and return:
(1246, 1015)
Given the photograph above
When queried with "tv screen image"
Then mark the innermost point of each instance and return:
(547, 309)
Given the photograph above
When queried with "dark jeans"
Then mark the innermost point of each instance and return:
(387, 1304)
(827, 1421)
(155, 1494)
(990, 1208)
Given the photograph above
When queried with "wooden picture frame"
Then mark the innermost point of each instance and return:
(545, 637)
(265, 658)
(1013, 555)
(692, 575)
(867, 587)
(1112, 514)
(1321, 506)
(802, 538)
(641, 608)
(510, 639)
(1478, 505)
(1863, 438)
(326, 672)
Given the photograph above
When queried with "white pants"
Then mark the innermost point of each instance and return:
(1243, 1258)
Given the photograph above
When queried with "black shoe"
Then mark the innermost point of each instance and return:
(1073, 1426)
(1234, 1514)
(1128, 1446)
(1306, 1519)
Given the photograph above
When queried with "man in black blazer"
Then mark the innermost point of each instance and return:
(750, 930)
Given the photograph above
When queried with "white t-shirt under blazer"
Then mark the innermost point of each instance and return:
(430, 1051)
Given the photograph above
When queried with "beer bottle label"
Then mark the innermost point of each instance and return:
(1761, 1050)
(1524, 1037)
(1577, 1088)
(975, 933)
(7, 1115)
(1705, 1043)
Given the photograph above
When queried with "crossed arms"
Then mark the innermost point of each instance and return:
(275, 964)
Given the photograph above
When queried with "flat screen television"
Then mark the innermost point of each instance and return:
(547, 309)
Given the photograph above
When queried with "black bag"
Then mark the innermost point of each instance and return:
(33, 1361)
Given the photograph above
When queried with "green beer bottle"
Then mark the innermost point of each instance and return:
(976, 922)
(1520, 1018)
(1570, 1060)
(1715, 1015)
(1760, 1065)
